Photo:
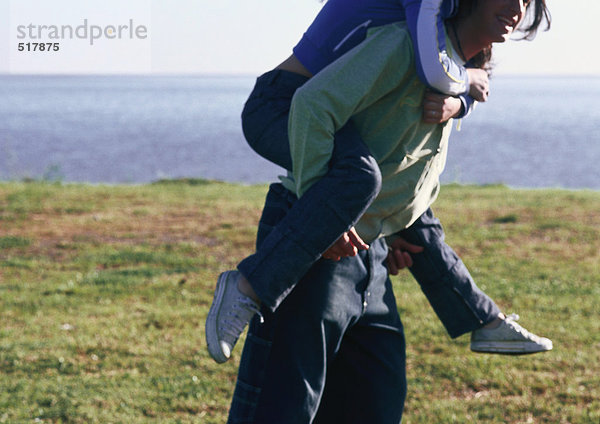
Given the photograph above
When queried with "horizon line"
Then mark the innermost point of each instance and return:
(254, 75)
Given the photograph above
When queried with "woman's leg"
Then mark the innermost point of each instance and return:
(458, 302)
(327, 210)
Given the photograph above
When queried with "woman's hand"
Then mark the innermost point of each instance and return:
(438, 108)
(399, 255)
(479, 84)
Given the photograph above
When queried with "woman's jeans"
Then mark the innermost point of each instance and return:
(328, 209)
(334, 350)
(333, 205)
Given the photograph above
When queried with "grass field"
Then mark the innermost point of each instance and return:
(104, 291)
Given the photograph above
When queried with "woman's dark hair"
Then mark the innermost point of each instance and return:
(536, 13)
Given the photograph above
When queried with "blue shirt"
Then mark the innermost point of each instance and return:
(343, 24)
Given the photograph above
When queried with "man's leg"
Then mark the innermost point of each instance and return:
(286, 359)
(309, 328)
(366, 381)
(287, 368)
(251, 373)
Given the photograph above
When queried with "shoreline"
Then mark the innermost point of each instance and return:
(193, 181)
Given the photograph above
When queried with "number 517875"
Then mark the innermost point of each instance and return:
(39, 47)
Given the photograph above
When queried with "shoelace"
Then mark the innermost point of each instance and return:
(512, 321)
(243, 310)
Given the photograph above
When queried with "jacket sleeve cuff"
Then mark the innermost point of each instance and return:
(468, 103)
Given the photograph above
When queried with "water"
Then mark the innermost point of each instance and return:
(534, 132)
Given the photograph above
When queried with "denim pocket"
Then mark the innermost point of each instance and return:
(250, 380)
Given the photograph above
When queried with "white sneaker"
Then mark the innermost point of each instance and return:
(508, 338)
(229, 314)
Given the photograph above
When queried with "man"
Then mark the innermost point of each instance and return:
(334, 350)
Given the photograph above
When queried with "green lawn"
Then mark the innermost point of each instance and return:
(104, 291)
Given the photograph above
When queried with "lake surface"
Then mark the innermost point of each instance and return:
(533, 132)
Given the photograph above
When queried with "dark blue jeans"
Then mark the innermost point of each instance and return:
(334, 350)
(327, 210)
(334, 204)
